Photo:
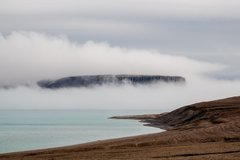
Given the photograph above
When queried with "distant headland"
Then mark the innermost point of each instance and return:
(98, 80)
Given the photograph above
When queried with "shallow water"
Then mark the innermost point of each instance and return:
(34, 129)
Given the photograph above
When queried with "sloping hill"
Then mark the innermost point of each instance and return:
(208, 130)
(200, 115)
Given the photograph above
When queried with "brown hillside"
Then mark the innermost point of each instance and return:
(208, 130)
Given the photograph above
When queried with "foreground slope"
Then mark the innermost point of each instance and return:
(208, 130)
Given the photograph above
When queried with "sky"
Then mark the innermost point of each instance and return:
(49, 39)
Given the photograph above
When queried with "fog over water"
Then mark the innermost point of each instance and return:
(27, 57)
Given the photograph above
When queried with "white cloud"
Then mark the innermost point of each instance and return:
(163, 97)
(206, 29)
(30, 56)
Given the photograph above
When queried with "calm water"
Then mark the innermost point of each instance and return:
(34, 129)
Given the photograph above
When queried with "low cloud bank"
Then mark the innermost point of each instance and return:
(162, 96)
(27, 57)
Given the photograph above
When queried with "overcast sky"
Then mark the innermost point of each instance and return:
(48, 39)
(207, 30)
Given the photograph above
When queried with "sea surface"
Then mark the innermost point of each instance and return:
(35, 129)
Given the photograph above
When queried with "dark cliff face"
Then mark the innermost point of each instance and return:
(97, 80)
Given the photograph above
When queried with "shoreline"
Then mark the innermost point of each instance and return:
(31, 130)
(207, 130)
(87, 144)
(145, 119)
(94, 142)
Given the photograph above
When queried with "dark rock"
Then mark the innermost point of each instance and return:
(97, 80)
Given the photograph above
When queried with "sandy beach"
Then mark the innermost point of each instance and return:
(207, 130)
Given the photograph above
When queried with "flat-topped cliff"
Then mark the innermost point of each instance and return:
(97, 80)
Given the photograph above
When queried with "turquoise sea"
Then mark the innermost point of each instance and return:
(35, 129)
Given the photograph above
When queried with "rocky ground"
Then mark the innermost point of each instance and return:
(208, 130)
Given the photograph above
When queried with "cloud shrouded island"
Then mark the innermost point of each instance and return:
(53, 39)
(27, 57)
